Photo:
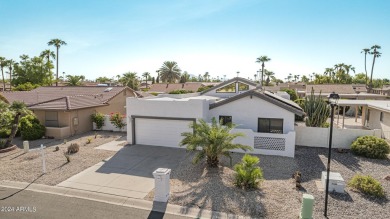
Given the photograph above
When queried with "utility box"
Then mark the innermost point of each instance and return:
(336, 182)
(161, 184)
(26, 146)
(307, 207)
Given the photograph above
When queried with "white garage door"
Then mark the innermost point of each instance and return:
(160, 132)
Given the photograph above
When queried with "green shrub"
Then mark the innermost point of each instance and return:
(4, 133)
(98, 119)
(180, 92)
(117, 120)
(293, 94)
(325, 125)
(248, 174)
(154, 93)
(25, 87)
(367, 185)
(371, 147)
(31, 128)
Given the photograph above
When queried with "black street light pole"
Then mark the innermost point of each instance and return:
(333, 98)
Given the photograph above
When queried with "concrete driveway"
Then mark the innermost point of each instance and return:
(128, 173)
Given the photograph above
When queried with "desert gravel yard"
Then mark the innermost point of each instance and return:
(277, 198)
(27, 167)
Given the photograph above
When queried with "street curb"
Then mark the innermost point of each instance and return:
(177, 210)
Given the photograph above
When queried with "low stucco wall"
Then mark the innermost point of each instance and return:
(249, 139)
(58, 133)
(319, 137)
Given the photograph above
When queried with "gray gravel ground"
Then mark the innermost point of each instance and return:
(277, 197)
(27, 167)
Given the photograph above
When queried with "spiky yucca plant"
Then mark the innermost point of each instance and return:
(214, 140)
(317, 110)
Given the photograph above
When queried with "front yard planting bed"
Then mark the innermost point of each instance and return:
(27, 167)
(213, 189)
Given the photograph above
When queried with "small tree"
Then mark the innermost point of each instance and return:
(316, 109)
(18, 109)
(117, 120)
(98, 119)
(213, 141)
(248, 173)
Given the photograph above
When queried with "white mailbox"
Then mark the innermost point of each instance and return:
(336, 182)
(161, 184)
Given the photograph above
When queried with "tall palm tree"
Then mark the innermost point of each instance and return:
(170, 71)
(47, 54)
(374, 51)
(10, 63)
(130, 79)
(262, 60)
(18, 108)
(215, 140)
(206, 76)
(57, 43)
(268, 74)
(3, 63)
(146, 75)
(365, 60)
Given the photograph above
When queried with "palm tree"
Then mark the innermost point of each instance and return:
(57, 43)
(130, 79)
(170, 72)
(365, 60)
(10, 63)
(374, 51)
(262, 60)
(18, 108)
(75, 80)
(206, 76)
(47, 54)
(268, 74)
(146, 75)
(3, 63)
(214, 140)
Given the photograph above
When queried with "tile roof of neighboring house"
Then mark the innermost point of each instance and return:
(359, 88)
(236, 79)
(166, 88)
(272, 88)
(66, 98)
(267, 96)
(329, 88)
(69, 103)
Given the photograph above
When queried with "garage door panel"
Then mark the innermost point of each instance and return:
(160, 132)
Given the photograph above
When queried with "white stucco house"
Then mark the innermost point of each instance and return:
(266, 119)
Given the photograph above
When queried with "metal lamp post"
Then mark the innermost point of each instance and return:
(332, 99)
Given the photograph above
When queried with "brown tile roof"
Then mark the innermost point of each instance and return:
(66, 98)
(329, 88)
(166, 88)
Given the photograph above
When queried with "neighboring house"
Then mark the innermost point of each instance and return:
(375, 114)
(66, 110)
(345, 91)
(266, 119)
(385, 90)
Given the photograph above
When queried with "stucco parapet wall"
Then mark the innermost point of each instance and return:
(179, 96)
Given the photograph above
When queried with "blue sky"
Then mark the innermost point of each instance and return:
(111, 37)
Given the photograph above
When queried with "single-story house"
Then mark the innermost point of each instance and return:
(266, 119)
(375, 114)
(345, 91)
(66, 110)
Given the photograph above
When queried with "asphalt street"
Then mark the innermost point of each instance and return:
(15, 203)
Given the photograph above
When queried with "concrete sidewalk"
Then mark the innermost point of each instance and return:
(121, 201)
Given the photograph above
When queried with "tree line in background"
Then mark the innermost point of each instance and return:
(36, 71)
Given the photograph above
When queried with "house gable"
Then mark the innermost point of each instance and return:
(230, 88)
